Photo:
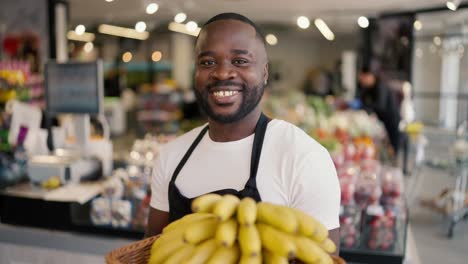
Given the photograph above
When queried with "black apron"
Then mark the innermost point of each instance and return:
(179, 205)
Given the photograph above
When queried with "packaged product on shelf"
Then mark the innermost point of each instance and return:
(350, 226)
(121, 211)
(348, 188)
(101, 213)
(392, 186)
(368, 189)
(379, 229)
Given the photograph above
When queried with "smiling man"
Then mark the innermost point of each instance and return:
(241, 151)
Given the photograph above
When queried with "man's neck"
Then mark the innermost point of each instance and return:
(220, 132)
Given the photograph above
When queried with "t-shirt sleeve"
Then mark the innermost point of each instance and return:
(316, 189)
(159, 187)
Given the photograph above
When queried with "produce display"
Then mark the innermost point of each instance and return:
(225, 229)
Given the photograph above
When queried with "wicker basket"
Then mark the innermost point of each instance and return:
(138, 253)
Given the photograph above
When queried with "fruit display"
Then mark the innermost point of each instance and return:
(380, 228)
(350, 226)
(225, 229)
(392, 186)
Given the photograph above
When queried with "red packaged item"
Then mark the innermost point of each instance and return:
(350, 222)
(392, 186)
(368, 189)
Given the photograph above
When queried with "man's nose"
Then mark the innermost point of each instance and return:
(224, 71)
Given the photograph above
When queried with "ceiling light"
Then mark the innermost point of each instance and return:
(80, 29)
(271, 39)
(417, 25)
(152, 8)
(303, 22)
(363, 22)
(191, 26)
(181, 28)
(324, 29)
(453, 4)
(109, 1)
(122, 32)
(156, 56)
(140, 26)
(180, 17)
(85, 37)
(127, 56)
(88, 47)
(437, 41)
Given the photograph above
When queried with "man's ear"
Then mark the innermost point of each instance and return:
(265, 72)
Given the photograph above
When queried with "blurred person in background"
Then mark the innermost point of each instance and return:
(377, 98)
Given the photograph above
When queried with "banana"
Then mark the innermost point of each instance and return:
(277, 216)
(328, 246)
(276, 241)
(161, 253)
(249, 241)
(326, 259)
(226, 207)
(225, 255)
(250, 260)
(310, 226)
(247, 211)
(271, 258)
(307, 250)
(200, 231)
(182, 222)
(180, 254)
(202, 252)
(227, 232)
(164, 238)
(205, 202)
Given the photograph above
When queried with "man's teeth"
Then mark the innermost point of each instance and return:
(224, 93)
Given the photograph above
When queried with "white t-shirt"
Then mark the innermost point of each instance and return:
(294, 170)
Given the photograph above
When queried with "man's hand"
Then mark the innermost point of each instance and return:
(157, 220)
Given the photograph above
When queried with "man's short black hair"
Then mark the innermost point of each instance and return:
(238, 17)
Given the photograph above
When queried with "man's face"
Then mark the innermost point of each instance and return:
(367, 79)
(231, 69)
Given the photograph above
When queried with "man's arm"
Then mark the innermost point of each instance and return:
(157, 220)
(334, 235)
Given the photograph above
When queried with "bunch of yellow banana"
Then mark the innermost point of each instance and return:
(224, 229)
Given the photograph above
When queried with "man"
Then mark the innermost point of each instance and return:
(292, 170)
(379, 99)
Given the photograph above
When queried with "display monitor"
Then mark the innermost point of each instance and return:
(74, 87)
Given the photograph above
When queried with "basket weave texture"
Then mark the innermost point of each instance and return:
(139, 252)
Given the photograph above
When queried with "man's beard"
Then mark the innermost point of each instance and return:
(251, 97)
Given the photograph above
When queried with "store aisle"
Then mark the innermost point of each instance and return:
(430, 228)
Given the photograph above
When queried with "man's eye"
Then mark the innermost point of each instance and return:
(239, 61)
(207, 62)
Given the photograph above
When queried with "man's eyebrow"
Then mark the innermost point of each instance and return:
(240, 52)
(205, 53)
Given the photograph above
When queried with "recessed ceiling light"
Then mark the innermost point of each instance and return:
(271, 39)
(437, 40)
(127, 56)
(180, 17)
(324, 29)
(303, 22)
(109, 1)
(152, 8)
(156, 56)
(140, 26)
(191, 26)
(80, 29)
(417, 25)
(363, 22)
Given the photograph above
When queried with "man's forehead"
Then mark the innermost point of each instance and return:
(219, 30)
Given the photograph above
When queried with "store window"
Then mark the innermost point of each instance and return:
(440, 67)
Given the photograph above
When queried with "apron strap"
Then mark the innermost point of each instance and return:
(188, 153)
(250, 189)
